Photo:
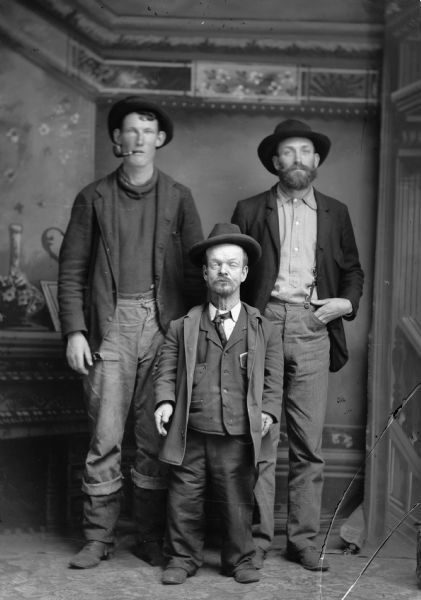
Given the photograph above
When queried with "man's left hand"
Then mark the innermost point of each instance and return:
(267, 421)
(332, 308)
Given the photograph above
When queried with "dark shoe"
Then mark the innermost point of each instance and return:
(91, 555)
(309, 558)
(174, 576)
(259, 558)
(247, 575)
(150, 552)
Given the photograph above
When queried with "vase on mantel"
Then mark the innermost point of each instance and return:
(19, 299)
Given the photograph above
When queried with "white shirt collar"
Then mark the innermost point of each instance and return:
(235, 311)
(308, 198)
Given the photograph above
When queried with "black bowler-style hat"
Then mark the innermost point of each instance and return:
(226, 233)
(138, 104)
(288, 129)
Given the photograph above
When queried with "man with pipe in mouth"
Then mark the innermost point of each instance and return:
(124, 275)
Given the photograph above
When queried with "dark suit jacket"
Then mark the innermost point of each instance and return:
(339, 272)
(173, 376)
(89, 260)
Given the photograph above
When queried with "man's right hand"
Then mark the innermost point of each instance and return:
(162, 417)
(78, 353)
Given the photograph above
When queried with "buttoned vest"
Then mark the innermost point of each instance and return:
(219, 393)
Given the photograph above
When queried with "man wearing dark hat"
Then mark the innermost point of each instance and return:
(217, 389)
(124, 274)
(308, 279)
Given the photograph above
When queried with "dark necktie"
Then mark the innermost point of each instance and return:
(220, 326)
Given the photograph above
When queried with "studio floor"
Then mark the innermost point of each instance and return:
(33, 565)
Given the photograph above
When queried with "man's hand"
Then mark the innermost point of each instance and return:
(162, 416)
(332, 308)
(78, 353)
(267, 421)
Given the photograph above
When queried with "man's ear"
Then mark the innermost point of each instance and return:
(244, 272)
(161, 137)
(275, 162)
(205, 272)
(117, 136)
(316, 160)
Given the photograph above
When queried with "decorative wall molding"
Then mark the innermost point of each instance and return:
(245, 86)
(408, 98)
(343, 483)
(411, 330)
(39, 394)
(336, 439)
(403, 17)
(107, 31)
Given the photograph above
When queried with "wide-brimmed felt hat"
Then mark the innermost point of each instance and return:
(138, 104)
(226, 233)
(288, 129)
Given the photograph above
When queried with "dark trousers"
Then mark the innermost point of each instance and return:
(219, 468)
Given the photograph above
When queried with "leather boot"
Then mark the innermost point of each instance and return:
(91, 555)
(149, 513)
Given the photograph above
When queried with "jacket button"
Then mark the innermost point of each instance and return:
(109, 318)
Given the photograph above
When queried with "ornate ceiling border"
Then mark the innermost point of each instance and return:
(403, 18)
(196, 83)
(113, 35)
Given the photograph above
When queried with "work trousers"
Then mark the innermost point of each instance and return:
(218, 468)
(306, 369)
(120, 377)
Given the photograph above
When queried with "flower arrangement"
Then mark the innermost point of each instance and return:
(19, 300)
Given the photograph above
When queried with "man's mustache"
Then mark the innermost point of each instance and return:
(297, 166)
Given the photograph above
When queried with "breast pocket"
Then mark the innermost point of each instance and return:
(199, 373)
(243, 360)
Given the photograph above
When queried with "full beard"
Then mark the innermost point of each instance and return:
(297, 177)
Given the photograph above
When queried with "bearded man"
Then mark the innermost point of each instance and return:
(307, 280)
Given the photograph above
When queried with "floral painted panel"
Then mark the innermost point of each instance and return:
(267, 83)
(46, 156)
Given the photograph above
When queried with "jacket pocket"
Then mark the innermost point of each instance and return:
(199, 372)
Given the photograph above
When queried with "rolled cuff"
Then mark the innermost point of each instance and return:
(104, 488)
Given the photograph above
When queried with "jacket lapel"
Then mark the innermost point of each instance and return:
(240, 329)
(106, 208)
(272, 220)
(191, 336)
(167, 206)
(323, 227)
(209, 327)
(251, 338)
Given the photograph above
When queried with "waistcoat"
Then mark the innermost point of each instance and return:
(219, 394)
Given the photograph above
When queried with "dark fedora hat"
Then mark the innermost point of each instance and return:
(288, 129)
(226, 233)
(138, 104)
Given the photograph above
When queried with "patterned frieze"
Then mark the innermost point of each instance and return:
(250, 85)
(112, 32)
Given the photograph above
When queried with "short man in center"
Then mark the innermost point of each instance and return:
(218, 387)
